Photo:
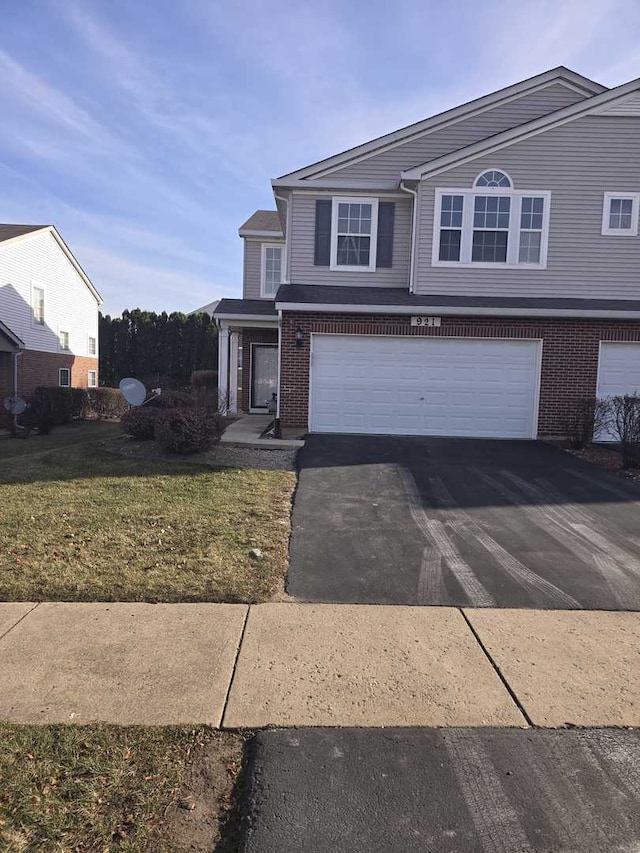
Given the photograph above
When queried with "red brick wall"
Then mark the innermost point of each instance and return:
(6, 377)
(41, 368)
(248, 337)
(569, 354)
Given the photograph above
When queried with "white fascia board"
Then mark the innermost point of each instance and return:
(519, 134)
(332, 184)
(250, 318)
(477, 106)
(271, 235)
(458, 311)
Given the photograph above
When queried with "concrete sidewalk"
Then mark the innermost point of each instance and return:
(323, 665)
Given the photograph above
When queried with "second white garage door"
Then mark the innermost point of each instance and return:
(618, 373)
(424, 386)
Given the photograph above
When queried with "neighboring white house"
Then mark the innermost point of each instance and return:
(48, 313)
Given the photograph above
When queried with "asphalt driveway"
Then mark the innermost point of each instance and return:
(461, 522)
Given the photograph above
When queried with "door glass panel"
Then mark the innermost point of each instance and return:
(264, 375)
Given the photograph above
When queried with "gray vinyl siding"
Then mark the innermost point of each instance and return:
(252, 266)
(388, 164)
(303, 270)
(577, 162)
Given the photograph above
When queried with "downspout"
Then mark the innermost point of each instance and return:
(285, 201)
(414, 226)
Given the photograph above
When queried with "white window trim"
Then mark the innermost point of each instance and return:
(606, 207)
(60, 369)
(492, 169)
(89, 353)
(68, 334)
(95, 384)
(513, 244)
(34, 323)
(373, 237)
(263, 268)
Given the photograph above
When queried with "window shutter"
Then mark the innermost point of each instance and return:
(322, 255)
(386, 214)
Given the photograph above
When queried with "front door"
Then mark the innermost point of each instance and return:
(264, 375)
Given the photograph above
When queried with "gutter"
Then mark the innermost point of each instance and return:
(414, 226)
(460, 311)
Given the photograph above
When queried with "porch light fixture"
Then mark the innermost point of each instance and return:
(299, 337)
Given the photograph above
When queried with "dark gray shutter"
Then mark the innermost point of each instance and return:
(386, 214)
(322, 255)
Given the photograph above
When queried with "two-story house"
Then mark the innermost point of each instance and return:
(48, 313)
(474, 274)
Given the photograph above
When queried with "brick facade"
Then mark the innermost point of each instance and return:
(248, 337)
(569, 354)
(41, 368)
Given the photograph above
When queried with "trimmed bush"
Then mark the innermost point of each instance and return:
(106, 402)
(204, 379)
(140, 422)
(625, 425)
(189, 430)
(67, 403)
(41, 414)
(587, 420)
(173, 400)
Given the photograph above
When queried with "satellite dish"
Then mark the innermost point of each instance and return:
(15, 405)
(133, 391)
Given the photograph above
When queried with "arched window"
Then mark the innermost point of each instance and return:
(493, 178)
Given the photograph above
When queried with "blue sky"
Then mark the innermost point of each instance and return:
(147, 130)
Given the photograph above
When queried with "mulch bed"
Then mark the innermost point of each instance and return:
(608, 458)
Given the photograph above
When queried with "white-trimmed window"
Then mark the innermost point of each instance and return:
(37, 304)
(620, 214)
(64, 377)
(492, 225)
(63, 340)
(92, 379)
(92, 346)
(271, 273)
(354, 229)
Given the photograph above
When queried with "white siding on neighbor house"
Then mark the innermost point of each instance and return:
(388, 164)
(577, 162)
(69, 305)
(252, 267)
(303, 270)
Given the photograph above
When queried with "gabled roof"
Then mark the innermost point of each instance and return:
(209, 308)
(262, 223)
(262, 309)
(523, 131)
(11, 336)
(14, 233)
(561, 75)
(8, 232)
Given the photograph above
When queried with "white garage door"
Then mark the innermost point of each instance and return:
(424, 386)
(618, 372)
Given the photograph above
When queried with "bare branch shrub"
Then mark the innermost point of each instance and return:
(587, 421)
(625, 426)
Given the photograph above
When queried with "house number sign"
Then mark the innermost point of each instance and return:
(425, 321)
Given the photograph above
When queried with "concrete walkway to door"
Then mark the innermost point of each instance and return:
(236, 666)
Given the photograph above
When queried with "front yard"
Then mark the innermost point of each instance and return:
(98, 788)
(79, 523)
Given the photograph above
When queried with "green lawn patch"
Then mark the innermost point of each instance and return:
(98, 788)
(81, 524)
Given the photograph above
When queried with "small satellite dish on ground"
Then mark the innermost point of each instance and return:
(135, 393)
(15, 405)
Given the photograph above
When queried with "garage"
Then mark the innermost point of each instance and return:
(618, 372)
(387, 385)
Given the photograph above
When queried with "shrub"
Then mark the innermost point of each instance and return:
(189, 430)
(140, 422)
(625, 425)
(67, 403)
(588, 419)
(106, 402)
(41, 414)
(173, 400)
(204, 379)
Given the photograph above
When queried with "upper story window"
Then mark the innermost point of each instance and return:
(92, 345)
(354, 228)
(271, 276)
(492, 225)
(63, 340)
(620, 214)
(493, 178)
(37, 296)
